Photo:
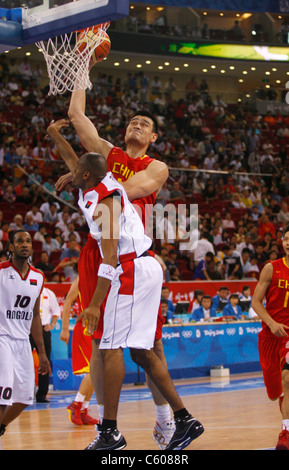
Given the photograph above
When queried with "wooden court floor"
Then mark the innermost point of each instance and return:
(233, 420)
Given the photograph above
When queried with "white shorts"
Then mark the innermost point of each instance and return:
(17, 376)
(131, 311)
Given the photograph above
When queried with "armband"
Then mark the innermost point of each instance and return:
(107, 271)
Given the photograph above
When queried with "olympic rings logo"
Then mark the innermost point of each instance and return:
(62, 374)
(187, 334)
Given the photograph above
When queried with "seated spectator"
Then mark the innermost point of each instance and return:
(167, 314)
(17, 223)
(67, 194)
(237, 202)
(30, 225)
(245, 260)
(232, 309)
(254, 270)
(283, 214)
(36, 215)
(9, 195)
(44, 264)
(212, 271)
(228, 222)
(177, 196)
(200, 272)
(232, 267)
(40, 235)
(220, 300)
(174, 274)
(78, 219)
(69, 260)
(63, 222)
(196, 302)
(50, 244)
(245, 198)
(265, 226)
(166, 295)
(171, 260)
(71, 230)
(50, 215)
(245, 299)
(205, 312)
(245, 244)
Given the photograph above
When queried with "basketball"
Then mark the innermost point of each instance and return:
(87, 39)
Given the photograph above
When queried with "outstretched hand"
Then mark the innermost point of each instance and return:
(57, 125)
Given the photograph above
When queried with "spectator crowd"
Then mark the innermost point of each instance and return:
(226, 160)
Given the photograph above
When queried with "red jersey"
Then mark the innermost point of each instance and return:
(277, 295)
(123, 167)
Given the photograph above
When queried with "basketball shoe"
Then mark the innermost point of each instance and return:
(162, 433)
(187, 429)
(107, 439)
(74, 412)
(283, 441)
(86, 419)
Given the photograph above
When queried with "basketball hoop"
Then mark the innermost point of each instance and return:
(67, 65)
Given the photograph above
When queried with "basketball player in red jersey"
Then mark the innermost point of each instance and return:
(142, 177)
(273, 285)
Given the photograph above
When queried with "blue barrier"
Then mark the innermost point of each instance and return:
(191, 351)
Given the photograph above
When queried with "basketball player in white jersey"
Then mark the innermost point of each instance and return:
(20, 290)
(130, 280)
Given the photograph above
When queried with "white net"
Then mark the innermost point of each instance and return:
(69, 57)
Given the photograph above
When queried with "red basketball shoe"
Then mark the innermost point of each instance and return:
(74, 412)
(283, 442)
(86, 419)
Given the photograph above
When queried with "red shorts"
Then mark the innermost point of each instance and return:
(81, 350)
(273, 353)
(88, 264)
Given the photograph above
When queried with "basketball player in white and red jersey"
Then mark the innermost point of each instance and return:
(20, 287)
(142, 178)
(131, 280)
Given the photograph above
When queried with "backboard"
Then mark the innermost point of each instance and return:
(50, 18)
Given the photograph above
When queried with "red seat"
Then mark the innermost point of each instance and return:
(186, 275)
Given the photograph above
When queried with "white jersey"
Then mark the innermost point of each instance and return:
(18, 298)
(49, 306)
(132, 238)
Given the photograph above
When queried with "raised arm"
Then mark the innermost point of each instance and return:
(64, 148)
(85, 129)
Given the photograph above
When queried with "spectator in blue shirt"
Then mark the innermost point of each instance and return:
(201, 268)
(220, 300)
(167, 314)
(171, 307)
(232, 309)
(205, 312)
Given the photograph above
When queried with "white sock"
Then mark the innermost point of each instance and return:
(79, 397)
(85, 405)
(100, 409)
(163, 413)
(285, 423)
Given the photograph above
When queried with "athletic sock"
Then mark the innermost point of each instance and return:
(163, 413)
(100, 409)
(285, 424)
(79, 397)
